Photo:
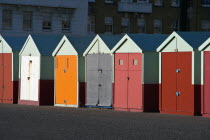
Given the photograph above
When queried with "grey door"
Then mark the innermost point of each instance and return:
(105, 80)
(92, 79)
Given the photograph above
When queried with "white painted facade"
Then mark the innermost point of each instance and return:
(74, 10)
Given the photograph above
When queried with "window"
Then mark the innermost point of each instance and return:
(205, 25)
(206, 3)
(142, 1)
(91, 24)
(126, 0)
(141, 25)
(135, 61)
(175, 3)
(175, 25)
(109, 25)
(7, 19)
(158, 2)
(121, 62)
(27, 20)
(109, 1)
(65, 25)
(91, 1)
(157, 26)
(46, 24)
(125, 25)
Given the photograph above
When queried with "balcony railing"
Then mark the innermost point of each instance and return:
(135, 7)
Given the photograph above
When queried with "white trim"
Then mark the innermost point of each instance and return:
(62, 105)
(60, 45)
(160, 68)
(170, 38)
(193, 67)
(78, 81)
(142, 67)
(119, 44)
(205, 45)
(12, 68)
(97, 38)
(202, 68)
(25, 44)
(28, 38)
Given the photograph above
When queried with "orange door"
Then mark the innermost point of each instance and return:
(66, 80)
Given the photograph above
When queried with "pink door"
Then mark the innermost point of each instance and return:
(135, 81)
(121, 84)
(206, 96)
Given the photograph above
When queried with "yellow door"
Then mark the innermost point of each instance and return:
(66, 80)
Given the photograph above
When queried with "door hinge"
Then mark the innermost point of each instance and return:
(178, 70)
(177, 93)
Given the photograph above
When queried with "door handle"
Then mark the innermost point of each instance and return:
(178, 93)
(65, 70)
(100, 70)
(178, 70)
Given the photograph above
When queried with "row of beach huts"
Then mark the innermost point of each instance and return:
(132, 72)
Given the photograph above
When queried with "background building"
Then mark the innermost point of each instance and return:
(43, 16)
(148, 16)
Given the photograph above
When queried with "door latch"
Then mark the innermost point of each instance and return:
(178, 70)
(177, 93)
(100, 70)
(65, 70)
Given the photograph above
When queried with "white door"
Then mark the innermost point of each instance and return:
(30, 73)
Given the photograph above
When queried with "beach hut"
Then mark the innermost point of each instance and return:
(205, 77)
(99, 71)
(136, 72)
(69, 71)
(37, 70)
(180, 73)
(9, 64)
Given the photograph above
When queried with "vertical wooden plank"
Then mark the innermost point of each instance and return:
(168, 86)
(185, 101)
(206, 93)
(135, 94)
(121, 81)
(1, 78)
(8, 84)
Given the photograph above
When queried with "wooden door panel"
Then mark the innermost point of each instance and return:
(206, 96)
(185, 101)
(168, 94)
(8, 83)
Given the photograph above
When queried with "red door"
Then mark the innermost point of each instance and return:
(185, 100)
(135, 81)
(121, 84)
(177, 89)
(1, 78)
(168, 96)
(6, 84)
(206, 96)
